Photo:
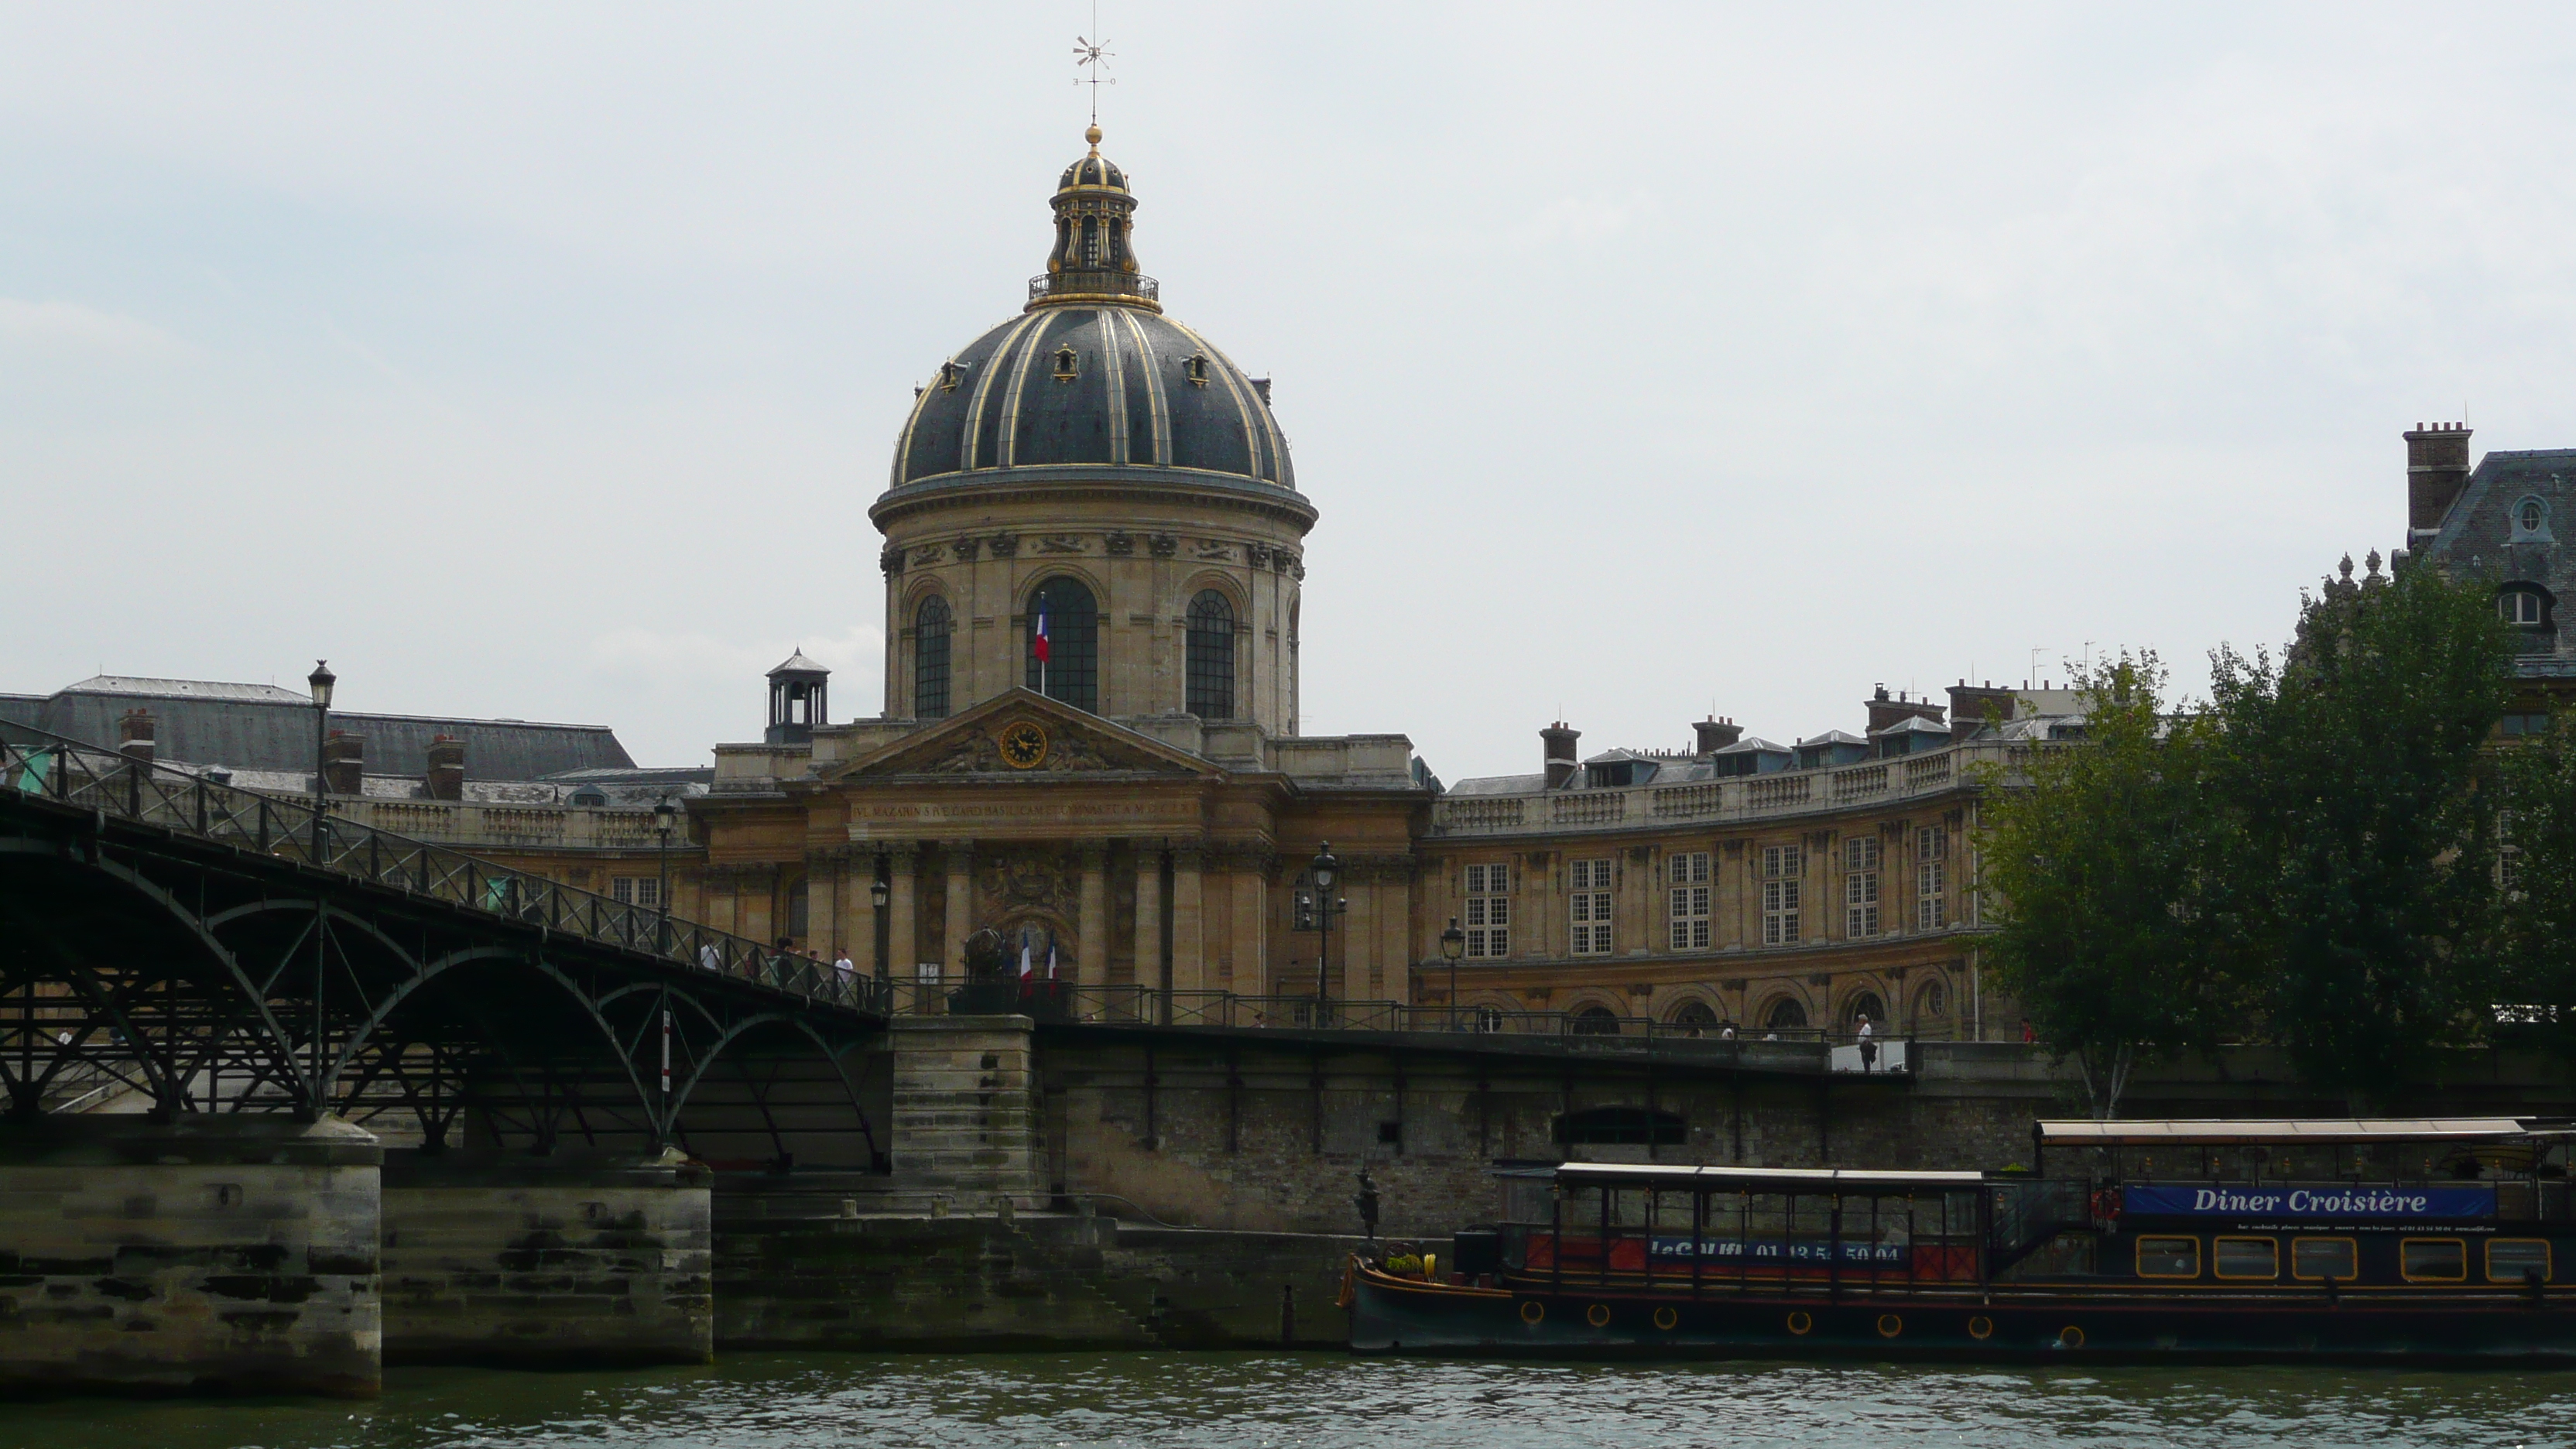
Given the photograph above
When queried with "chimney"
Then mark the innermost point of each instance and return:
(1884, 711)
(1556, 750)
(1716, 734)
(2437, 468)
(447, 768)
(344, 763)
(1973, 706)
(134, 735)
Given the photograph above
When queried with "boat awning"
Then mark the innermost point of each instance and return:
(2324, 1131)
(1675, 1178)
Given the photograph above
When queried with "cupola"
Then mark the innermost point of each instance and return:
(1093, 261)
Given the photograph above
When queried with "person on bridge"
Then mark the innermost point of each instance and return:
(707, 957)
(843, 966)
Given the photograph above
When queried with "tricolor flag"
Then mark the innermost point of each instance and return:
(1038, 638)
(1024, 957)
(1050, 955)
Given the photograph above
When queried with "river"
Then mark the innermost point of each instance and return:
(1326, 1401)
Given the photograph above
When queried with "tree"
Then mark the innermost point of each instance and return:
(2536, 910)
(2366, 859)
(2105, 871)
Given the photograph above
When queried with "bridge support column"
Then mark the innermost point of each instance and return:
(575, 1259)
(234, 1254)
(965, 1122)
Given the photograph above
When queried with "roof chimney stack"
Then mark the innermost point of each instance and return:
(134, 735)
(446, 768)
(1556, 751)
(2437, 468)
(344, 763)
(1716, 734)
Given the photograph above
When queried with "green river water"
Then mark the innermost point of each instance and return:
(1043, 1401)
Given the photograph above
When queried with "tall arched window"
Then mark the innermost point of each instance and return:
(1211, 662)
(1071, 670)
(930, 625)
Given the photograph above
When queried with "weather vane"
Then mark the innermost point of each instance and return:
(1093, 55)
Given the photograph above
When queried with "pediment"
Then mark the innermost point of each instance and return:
(1024, 735)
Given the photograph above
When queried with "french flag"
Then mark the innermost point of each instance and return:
(1038, 638)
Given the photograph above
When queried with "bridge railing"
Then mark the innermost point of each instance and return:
(37, 763)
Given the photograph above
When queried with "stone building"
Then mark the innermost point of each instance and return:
(2498, 521)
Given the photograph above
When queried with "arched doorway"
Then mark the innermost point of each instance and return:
(1695, 1017)
(1596, 1021)
(1786, 1014)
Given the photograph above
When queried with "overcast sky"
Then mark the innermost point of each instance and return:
(541, 361)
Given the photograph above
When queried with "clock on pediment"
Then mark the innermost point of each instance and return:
(1024, 745)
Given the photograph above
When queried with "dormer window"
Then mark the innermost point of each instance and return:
(1195, 368)
(2531, 521)
(1065, 364)
(2524, 607)
(950, 374)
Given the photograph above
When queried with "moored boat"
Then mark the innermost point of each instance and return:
(2367, 1239)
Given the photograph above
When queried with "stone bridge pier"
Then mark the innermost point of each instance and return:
(225, 1254)
(578, 1258)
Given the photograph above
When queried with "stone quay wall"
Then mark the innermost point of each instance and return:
(213, 1254)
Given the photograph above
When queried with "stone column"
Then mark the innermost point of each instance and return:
(578, 1259)
(1251, 926)
(823, 872)
(1091, 936)
(230, 1253)
(1189, 939)
(1153, 968)
(1357, 928)
(964, 1126)
(903, 948)
(961, 905)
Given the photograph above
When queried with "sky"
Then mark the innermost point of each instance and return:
(1643, 361)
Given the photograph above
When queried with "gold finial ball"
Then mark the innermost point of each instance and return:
(1092, 135)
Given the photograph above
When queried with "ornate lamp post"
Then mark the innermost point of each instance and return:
(880, 891)
(1453, 944)
(1323, 869)
(320, 681)
(666, 818)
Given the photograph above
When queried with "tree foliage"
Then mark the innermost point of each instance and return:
(2536, 914)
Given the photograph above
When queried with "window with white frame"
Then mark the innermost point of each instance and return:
(636, 890)
(1780, 867)
(1686, 878)
(1588, 908)
(1860, 887)
(1489, 912)
(1931, 878)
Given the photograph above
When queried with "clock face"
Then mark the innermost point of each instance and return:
(1024, 745)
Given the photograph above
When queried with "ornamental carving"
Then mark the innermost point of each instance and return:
(1119, 543)
(1257, 554)
(1028, 880)
(890, 558)
(1210, 549)
(1162, 545)
(1059, 543)
(926, 555)
(965, 549)
(1005, 545)
(980, 751)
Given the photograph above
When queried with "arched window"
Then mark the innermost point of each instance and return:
(1596, 1021)
(1071, 669)
(1933, 1001)
(1211, 661)
(1695, 1017)
(2523, 606)
(2530, 516)
(1786, 1013)
(930, 659)
(1865, 1006)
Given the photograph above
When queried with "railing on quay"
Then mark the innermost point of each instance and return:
(1134, 1005)
(40, 764)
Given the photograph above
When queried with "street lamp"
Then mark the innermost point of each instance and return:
(1453, 944)
(666, 818)
(320, 682)
(1323, 869)
(880, 891)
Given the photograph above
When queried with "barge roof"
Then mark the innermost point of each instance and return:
(1665, 1177)
(2329, 1130)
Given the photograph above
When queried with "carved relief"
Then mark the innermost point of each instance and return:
(980, 750)
(890, 558)
(1208, 548)
(965, 548)
(1258, 554)
(1297, 572)
(1059, 543)
(1028, 880)
(926, 555)
(1005, 545)
(1119, 543)
(1162, 545)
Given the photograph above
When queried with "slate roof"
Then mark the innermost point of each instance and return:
(2480, 534)
(263, 727)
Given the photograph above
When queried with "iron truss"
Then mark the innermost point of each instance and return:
(211, 949)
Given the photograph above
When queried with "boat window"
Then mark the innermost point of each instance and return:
(2509, 1259)
(2246, 1258)
(2433, 1260)
(2168, 1257)
(2323, 1258)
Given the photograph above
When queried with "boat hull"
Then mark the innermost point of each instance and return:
(1398, 1316)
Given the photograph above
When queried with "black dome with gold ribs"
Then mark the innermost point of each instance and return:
(1091, 375)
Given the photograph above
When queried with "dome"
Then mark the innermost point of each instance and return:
(1091, 387)
(1092, 375)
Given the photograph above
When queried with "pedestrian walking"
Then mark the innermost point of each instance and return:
(1868, 1047)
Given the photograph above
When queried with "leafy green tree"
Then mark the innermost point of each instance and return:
(2104, 870)
(2536, 915)
(2366, 862)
